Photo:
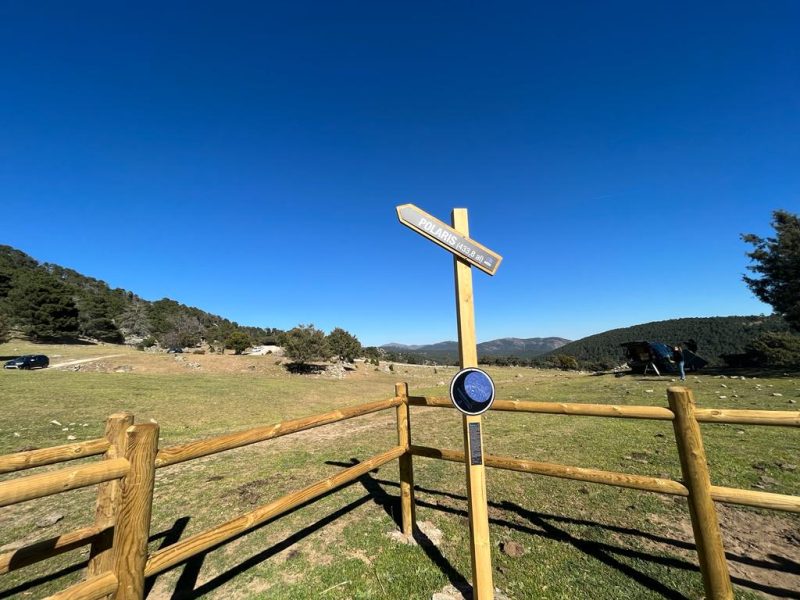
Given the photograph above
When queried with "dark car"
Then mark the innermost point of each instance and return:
(29, 361)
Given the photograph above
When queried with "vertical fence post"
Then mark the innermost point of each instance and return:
(707, 535)
(101, 556)
(408, 511)
(132, 529)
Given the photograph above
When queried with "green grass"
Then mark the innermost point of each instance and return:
(580, 539)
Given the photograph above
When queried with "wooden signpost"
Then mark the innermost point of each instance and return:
(467, 252)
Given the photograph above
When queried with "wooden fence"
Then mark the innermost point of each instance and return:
(119, 561)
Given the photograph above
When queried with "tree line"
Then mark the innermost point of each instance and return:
(47, 302)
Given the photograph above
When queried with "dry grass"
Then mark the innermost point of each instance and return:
(618, 543)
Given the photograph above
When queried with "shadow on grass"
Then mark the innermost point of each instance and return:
(297, 368)
(169, 536)
(547, 527)
(186, 587)
(516, 518)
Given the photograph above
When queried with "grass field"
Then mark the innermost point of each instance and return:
(579, 540)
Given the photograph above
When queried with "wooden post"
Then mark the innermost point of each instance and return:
(101, 559)
(132, 529)
(707, 535)
(407, 508)
(480, 546)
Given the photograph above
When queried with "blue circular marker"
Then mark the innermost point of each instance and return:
(472, 391)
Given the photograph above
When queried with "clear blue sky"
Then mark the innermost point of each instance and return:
(246, 158)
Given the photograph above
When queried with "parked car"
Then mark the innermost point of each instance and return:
(29, 361)
(175, 351)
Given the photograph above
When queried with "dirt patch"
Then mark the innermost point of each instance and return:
(762, 550)
(252, 491)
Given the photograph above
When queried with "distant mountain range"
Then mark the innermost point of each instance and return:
(523, 348)
(715, 338)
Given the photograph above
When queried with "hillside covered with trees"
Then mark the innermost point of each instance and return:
(715, 337)
(47, 302)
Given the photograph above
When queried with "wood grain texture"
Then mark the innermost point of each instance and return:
(726, 495)
(48, 456)
(92, 588)
(46, 484)
(100, 556)
(707, 535)
(637, 482)
(132, 528)
(758, 499)
(779, 418)
(480, 543)
(44, 549)
(183, 452)
(163, 559)
(407, 504)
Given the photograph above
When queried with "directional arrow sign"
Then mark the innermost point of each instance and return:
(448, 238)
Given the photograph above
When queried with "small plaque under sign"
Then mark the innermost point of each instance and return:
(475, 454)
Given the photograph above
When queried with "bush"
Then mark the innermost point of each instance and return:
(565, 362)
(305, 343)
(238, 341)
(344, 345)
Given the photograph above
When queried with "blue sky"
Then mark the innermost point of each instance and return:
(246, 158)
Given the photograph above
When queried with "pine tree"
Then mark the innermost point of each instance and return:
(42, 307)
(96, 321)
(344, 345)
(238, 341)
(305, 343)
(778, 262)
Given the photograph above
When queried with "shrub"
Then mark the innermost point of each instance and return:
(305, 343)
(238, 341)
(565, 362)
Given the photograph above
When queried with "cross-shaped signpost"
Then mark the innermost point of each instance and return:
(471, 390)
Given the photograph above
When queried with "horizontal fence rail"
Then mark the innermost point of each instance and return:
(48, 456)
(637, 482)
(91, 588)
(703, 415)
(191, 450)
(46, 484)
(44, 549)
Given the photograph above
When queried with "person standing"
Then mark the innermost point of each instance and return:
(677, 356)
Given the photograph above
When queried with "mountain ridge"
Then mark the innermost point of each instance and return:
(523, 347)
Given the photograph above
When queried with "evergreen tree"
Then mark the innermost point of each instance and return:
(42, 306)
(96, 321)
(305, 343)
(778, 350)
(778, 262)
(238, 341)
(3, 328)
(344, 345)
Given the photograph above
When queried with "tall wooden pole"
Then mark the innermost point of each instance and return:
(707, 534)
(132, 528)
(480, 547)
(101, 557)
(407, 510)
